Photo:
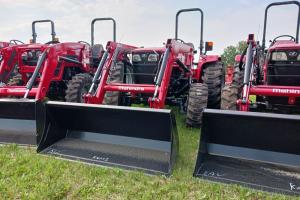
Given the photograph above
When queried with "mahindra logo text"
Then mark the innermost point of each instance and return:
(286, 91)
(126, 88)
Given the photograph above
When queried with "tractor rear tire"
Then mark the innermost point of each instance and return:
(229, 97)
(197, 101)
(214, 77)
(77, 87)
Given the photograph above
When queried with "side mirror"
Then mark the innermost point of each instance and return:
(195, 51)
(209, 46)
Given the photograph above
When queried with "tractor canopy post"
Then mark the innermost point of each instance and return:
(266, 18)
(102, 19)
(201, 26)
(34, 35)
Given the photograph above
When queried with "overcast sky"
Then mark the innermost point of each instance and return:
(145, 22)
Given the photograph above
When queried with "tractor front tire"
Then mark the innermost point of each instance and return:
(77, 87)
(16, 80)
(116, 75)
(119, 74)
(214, 77)
(229, 97)
(238, 76)
(197, 101)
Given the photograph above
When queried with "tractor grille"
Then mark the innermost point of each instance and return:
(144, 73)
(283, 74)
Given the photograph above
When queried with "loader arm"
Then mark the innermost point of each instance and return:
(173, 49)
(113, 54)
(50, 65)
(8, 62)
(56, 59)
(248, 71)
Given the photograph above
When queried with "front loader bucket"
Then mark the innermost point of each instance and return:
(258, 150)
(17, 121)
(132, 138)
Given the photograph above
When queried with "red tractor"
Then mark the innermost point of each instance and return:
(10, 43)
(253, 139)
(18, 58)
(139, 138)
(159, 76)
(40, 71)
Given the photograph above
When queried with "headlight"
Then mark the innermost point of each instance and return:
(152, 58)
(279, 56)
(24, 56)
(30, 54)
(38, 53)
(293, 54)
(136, 58)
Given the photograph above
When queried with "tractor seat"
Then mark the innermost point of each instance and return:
(190, 44)
(97, 52)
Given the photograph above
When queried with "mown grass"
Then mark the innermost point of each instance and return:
(27, 175)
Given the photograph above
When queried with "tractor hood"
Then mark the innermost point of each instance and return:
(150, 49)
(284, 45)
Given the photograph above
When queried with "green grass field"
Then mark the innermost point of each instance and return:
(26, 175)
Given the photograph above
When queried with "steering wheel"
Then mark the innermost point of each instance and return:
(187, 43)
(84, 42)
(292, 38)
(16, 42)
(180, 40)
(52, 42)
